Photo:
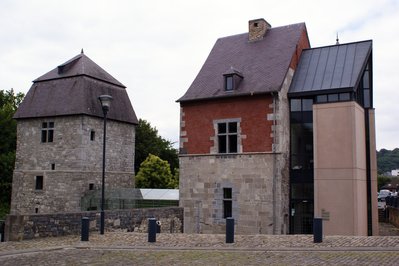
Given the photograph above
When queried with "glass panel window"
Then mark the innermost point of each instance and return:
(307, 104)
(222, 144)
(50, 135)
(333, 97)
(39, 183)
(44, 135)
(296, 105)
(227, 193)
(366, 80)
(229, 83)
(227, 208)
(344, 96)
(232, 143)
(321, 98)
(233, 127)
(47, 132)
(222, 128)
(92, 135)
(227, 202)
(227, 137)
(366, 95)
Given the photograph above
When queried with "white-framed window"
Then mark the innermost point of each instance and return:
(227, 134)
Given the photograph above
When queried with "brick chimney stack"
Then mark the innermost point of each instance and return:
(257, 29)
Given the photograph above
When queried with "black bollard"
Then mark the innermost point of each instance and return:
(229, 230)
(85, 229)
(152, 230)
(317, 230)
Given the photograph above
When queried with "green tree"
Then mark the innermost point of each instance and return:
(175, 180)
(9, 102)
(382, 180)
(149, 142)
(154, 173)
(387, 160)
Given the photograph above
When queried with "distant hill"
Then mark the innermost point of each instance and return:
(387, 160)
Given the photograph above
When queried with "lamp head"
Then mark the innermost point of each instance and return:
(105, 102)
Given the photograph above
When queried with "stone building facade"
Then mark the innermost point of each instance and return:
(60, 139)
(254, 127)
(234, 143)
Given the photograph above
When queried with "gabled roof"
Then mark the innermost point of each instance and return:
(74, 93)
(337, 67)
(79, 65)
(263, 64)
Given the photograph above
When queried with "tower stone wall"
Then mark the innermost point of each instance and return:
(69, 165)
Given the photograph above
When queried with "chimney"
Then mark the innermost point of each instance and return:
(257, 29)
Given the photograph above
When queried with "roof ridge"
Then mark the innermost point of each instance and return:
(340, 44)
(278, 27)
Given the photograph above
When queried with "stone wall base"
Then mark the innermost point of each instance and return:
(23, 227)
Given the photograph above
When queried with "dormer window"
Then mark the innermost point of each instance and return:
(232, 79)
(229, 86)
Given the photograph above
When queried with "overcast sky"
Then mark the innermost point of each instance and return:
(156, 48)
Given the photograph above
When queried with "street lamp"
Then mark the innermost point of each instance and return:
(105, 104)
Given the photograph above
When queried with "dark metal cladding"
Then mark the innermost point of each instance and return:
(73, 89)
(337, 67)
(263, 64)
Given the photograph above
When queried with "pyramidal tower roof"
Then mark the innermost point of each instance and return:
(73, 88)
(78, 66)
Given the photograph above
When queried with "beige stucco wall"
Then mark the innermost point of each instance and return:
(340, 168)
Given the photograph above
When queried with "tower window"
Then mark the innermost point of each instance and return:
(92, 135)
(47, 131)
(39, 182)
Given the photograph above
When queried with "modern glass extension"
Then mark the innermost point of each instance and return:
(301, 147)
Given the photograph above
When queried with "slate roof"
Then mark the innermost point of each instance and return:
(74, 90)
(331, 68)
(79, 65)
(263, 64)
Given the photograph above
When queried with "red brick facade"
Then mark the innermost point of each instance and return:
(256, 129)
(303, 43)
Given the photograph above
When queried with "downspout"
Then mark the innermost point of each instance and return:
(274, 150)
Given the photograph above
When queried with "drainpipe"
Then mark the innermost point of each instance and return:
(274, 150)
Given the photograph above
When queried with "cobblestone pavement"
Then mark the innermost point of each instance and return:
(121, 248)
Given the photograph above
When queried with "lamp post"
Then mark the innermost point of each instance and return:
(105, 104)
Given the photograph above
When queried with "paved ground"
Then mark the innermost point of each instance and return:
(119, 248)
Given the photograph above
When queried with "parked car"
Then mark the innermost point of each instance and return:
(383, 194)
(381, 198)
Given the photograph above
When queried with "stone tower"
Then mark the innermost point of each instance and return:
(59, 138)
